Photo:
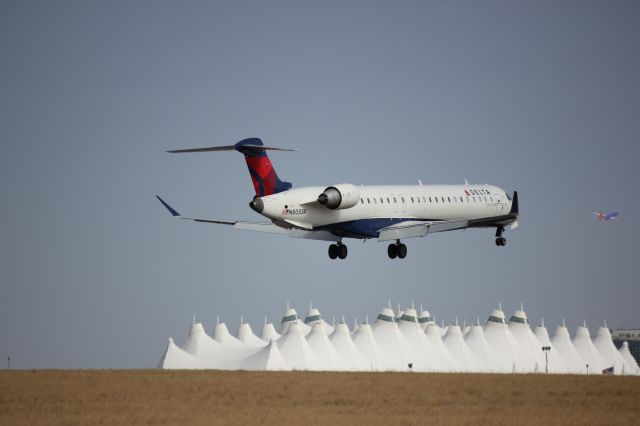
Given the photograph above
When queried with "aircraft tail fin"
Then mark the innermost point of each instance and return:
(263, 175)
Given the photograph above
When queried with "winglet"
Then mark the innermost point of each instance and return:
(514, 203)
(173, 212)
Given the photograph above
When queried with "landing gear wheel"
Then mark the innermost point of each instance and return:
(342, 251)
(333, 251)
(501, 241)
(392, 251)
(402, 251)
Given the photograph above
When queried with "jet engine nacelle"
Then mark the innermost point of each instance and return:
(341, 196)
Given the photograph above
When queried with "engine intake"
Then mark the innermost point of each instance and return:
(341, 196)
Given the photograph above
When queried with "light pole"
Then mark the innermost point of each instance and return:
(546, 350)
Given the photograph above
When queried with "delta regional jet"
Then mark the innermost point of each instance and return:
(386, 212)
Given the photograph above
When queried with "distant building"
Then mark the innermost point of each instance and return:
(628, 335)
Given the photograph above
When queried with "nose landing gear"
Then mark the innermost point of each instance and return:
(338, 251)
(398, 250)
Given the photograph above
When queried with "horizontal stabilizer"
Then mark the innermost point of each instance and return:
(227, 148)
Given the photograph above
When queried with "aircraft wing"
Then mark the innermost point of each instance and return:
(259, 226)
(412, 229)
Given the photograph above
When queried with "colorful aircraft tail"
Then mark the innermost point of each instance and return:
(263, 175)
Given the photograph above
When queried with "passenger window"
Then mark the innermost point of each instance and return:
(436, 199)
(449, 198)
(412, 199)
(394, 200)
(461, 200)
(442, 199)
(418, 198)
(361, 201)
(388, 200)
(368, 201)
(402, 198)
(430, 200)
(381, 201)
(424, 200)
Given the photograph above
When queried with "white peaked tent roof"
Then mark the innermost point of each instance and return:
(246, 336)
(296, 350)
(207, 350)
(503, 346)
(390, 345)
(390, 340)
(630, 365)
(556, 363)
(458, 349)
(604, 344)
(269, 332)
(320, 344)
(480, 348)
(446, 361)
(419, 351)
(221, 335)
(175, 358)
(291, 316)
(531, 350)
(268, 358)
(466, 330)
(562, 343)
(376, 358)
(425, 319)
(585, 347)
(444, 329)
(343, 344)
(314, 316)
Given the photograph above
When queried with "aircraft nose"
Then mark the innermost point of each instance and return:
(257, 205)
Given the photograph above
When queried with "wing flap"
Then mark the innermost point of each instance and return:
(413, 229)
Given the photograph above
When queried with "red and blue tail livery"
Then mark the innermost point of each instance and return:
(341, 211)
(263, 174)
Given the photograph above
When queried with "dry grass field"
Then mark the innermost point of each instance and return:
(264, 398)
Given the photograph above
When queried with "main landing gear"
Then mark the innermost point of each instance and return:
(500, 240)
(338, 250)
(398, 250)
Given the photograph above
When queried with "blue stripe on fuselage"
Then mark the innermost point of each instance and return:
(364, 228)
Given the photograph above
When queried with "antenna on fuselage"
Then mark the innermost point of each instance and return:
(420, 182)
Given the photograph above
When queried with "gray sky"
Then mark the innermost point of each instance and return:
(541, 97)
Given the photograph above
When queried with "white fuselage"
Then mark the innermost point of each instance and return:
(383, 205)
